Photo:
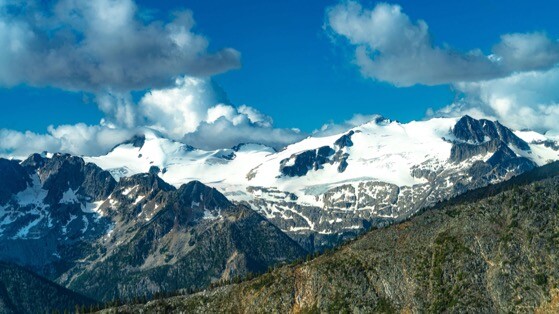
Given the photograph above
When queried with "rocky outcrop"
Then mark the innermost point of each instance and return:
(13, 179)
(500, 159)
(474, 131)
(345, 140)
(298, 165)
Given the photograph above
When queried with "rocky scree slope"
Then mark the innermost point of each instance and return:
(494, 250)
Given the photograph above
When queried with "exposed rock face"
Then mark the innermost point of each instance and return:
(464, 151)
(298, 165)
(475, 131)
(13, 179)
(345, 140)
(73, 223)
(490, 251)
(136, 141)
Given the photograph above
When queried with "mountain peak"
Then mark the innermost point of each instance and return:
(34, 161)
(195, 192)
(474, 131)
(136, 141)
(147, 181)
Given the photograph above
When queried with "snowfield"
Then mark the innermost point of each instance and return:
(383, 151)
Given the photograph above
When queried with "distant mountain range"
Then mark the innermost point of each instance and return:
(323, 190)
(158, 215)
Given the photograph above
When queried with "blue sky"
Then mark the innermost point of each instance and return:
(290, 69)
(296, 70)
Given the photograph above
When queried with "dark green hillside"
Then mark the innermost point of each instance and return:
(24, 292)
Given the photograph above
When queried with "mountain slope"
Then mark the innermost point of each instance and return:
(323, 190)
(47, 218)
(24, 292)
(71, 222)
(489, 254)
(197, 237)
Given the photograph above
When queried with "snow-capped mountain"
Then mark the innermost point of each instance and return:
(324, 188)
(170, 216)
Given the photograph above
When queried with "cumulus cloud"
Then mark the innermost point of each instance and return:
(522, 101)
(195, 111)
(101, 45)
(105, 48)
(390, 47)
(109, 49)
(180, 109)
(199, 113)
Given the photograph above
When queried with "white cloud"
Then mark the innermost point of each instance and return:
(180, 109)
(101, 45)
(533, 51)
(195, 111)
(527, 100)
(118, 108)
(79, 139)
(198, 112)
(224, 133)
(390, 47)
(333, 128)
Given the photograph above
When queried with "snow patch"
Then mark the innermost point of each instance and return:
(33, 194)
(69, 197)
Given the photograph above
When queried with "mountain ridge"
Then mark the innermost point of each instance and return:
(489, 250)
(76, 225)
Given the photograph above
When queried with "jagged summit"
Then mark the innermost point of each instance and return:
(475, 131)
(146, 181)
(202, 195)
(72, 222)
